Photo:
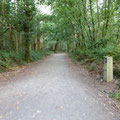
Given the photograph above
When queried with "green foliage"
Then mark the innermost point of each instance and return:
(37, 55)
(90, 30)
(7, 60)
(117, 72)
(117, 75)
(3, 65)
(117, 95)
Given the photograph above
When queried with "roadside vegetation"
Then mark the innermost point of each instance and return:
(88, 29)
(21, 34)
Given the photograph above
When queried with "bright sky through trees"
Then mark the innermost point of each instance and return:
(45, 9)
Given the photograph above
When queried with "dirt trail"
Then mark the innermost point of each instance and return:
(53, 89)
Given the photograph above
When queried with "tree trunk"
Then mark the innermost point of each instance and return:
(56, 46)
(27, 43)
(92, 17)
(36, 42)
(27, 30)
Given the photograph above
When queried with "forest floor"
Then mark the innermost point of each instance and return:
(55, 89)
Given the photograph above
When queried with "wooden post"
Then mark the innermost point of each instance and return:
(108, 69)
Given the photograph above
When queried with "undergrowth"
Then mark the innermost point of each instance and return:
(10, 59)
(92, 58)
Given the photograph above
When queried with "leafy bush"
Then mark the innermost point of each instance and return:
(117, 75)
(117, 72)
(9, 58)
(37, 55)
(92, 56)
(117, 95)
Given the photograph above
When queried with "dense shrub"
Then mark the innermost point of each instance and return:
(7, 59)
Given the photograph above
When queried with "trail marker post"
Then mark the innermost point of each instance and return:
(108, 69)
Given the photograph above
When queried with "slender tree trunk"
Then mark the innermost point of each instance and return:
(105, 4)
(98, 17)
(85, 18)
(11, 40)
(118, 35)
(107, 18)
(20, 41)
(41, 42)
(3, 8)
(56, 46)
(17, 43)
(27, 30)
(93, 24)
(68, 46)
(36, 42)
(27, 43)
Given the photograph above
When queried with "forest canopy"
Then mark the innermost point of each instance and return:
(89, 29)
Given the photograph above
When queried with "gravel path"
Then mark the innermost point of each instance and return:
(53, 89)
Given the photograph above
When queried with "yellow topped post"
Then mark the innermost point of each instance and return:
(108, 69)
